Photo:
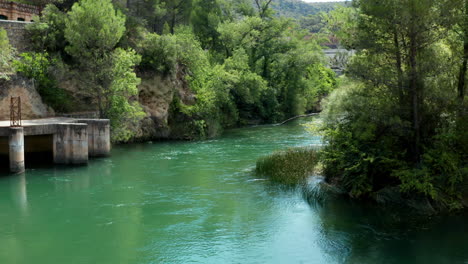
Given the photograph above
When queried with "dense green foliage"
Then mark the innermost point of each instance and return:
(290, 166)
(6, 55)
(48, 35)
(93, 29)
(298, 9)
(400, 122)
(242, 63)
(39, 67)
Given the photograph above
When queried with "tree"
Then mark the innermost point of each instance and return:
(93, 30)
(48, 33)
(463, 24)
(394, 124)
(206, 17)
(263, 7)
(6, 55)
(403, 30)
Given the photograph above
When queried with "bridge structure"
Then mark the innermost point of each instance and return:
(338, 59)
(71, 140)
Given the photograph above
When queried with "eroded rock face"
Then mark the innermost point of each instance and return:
(31, 103)
(155, 94)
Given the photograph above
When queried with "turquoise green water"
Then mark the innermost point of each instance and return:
(198, 202)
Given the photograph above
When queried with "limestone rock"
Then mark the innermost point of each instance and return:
(31, 103)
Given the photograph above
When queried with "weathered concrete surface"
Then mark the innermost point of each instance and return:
(45, 126)
(74, 140)
(98, 137)
(338, 59)
(16, 144)
(71, 144)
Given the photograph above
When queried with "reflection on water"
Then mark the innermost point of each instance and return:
(18, 193)
(354, 232)
(198, 202)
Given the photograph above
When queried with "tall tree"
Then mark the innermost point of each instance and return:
(403, 30)
(6, 55)
(93, 30)
(263, 7)
(206, 16)
(390, 126)
(463, 22)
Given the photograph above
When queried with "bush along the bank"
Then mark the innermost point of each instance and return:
(291, 166)
(400, 123)
(39, 67)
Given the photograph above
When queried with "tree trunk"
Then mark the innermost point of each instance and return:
(415, 92)
(265, 67)
(463, 67)
(173, 21)
(462, 74)
(398, 66)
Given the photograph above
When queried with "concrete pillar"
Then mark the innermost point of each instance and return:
(16, 152)
(99, 144)
(71, 144)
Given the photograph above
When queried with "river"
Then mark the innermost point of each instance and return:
(199, 202)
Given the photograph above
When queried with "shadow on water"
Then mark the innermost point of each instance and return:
(39, 160)
(4, 165)
(33, 161)
(358, 232)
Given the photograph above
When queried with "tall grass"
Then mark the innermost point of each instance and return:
(290, 166)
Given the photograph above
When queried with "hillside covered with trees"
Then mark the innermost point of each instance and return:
(224, 64)
(299, 9)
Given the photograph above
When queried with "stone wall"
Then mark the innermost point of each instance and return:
(16, 31)
(17, 11)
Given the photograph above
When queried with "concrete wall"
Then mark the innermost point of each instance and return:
(16, 144)
(338, 59)
(98, 137)
(16, 32)
(71, 144)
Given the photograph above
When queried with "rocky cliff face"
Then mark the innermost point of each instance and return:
(31, 102)
(156, 94)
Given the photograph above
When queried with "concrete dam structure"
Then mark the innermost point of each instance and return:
(70, 140)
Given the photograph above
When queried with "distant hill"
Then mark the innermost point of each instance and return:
(298, 9)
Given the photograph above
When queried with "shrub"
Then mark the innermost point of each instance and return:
(6, 55)
(37, 66)
(48, 33)
(290, 166)
(159, 53)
